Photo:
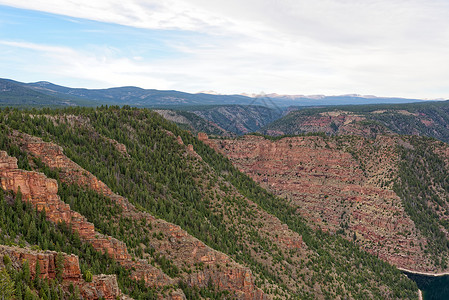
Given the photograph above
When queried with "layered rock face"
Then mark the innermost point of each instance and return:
(333, 191)
(101, 286)
(41, 192)
(330, 122)
(178, 245)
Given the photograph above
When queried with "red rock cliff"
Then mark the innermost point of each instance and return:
(332, 190)
(102, 286)
(41, 192)
(179, 246)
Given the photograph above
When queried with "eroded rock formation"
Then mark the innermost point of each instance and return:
(333, 191)
(179, 246)
(41, 192)
(101, 286)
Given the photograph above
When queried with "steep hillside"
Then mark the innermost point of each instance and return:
(240, 119)
(190, 121)
(23, 226)
(136, 228)
(424, 119)
(222, 120)
(388, 193)
(128, 170)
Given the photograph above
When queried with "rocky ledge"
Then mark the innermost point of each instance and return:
(101, 286)
(178, 245)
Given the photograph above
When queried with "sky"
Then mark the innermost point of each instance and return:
(302, 47)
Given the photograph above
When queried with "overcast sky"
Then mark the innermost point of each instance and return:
(377, 47)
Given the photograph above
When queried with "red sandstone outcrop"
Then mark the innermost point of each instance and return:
(101, 286)
(41, 192)
(120, 147)
(332, 190)
(205, 139)
(178, 245)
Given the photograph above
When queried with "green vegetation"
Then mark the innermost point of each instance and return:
(424, 119)
(197, 124)
(334, 252)
(19, 95)
(206, 198)
(17, 284)
(239, 119)
(208, 292)
(423, 186)
(23, 226)
(7, 290)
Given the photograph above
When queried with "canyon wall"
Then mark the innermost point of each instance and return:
(333, 191)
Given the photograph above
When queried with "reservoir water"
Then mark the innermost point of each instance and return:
(433, 287)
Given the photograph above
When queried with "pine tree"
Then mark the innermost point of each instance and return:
(6, 285)
(88, 276)
(26, 272)
(59, 266)
(37, 274)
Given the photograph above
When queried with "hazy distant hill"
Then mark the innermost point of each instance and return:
(138, 97)
(14, 93)
(322, 100)
(135, 96)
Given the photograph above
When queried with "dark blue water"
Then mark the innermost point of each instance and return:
(433, 288)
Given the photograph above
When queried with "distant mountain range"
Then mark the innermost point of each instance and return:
(44, 93)
(219, 114)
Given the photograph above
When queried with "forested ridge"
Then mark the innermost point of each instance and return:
(429, 118)
(423, 185)
(209, 198)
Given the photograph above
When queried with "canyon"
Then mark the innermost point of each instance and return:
(341, 185)
(184, 223)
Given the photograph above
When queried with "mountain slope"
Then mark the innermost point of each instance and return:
(168, 173)
(238, 118)
(189, 121)
(138, 97)
(387, 193)
(187, 253)
(49, 274)
(426, 119)
(14, 93)
(134, 96)
(321, 100)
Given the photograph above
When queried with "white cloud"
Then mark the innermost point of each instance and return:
(102, 68)
(167, 14)
(382, 47)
